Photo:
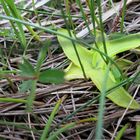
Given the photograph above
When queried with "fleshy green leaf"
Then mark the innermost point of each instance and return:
(97, 77)
(95, 71)
(74, 72)
(116, 46)
(51, 76)
(119, 96)
(85, 54)
(123, 44)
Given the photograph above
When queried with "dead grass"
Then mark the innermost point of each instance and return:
(78, 92)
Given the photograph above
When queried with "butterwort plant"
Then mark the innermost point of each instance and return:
(95, 66)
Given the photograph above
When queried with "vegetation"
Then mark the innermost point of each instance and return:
(69, 69)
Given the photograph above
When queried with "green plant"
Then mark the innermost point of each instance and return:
(30, 75)
(138, 130)
(121, 131)
(95, 66)
(52, 135)
(11, 10)
(34, 74)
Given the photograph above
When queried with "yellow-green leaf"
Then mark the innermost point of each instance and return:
(67, 46)
(95, 72)
(119, 96)
(74, 72)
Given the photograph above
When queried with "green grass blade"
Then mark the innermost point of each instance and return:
(93, 15)
(35, 35)
(66, 127)
(22, 126)
(69, 23)
(7, 11)
(36, 13)
(54, 135)
(99, 128)
(73, 42)
(12, 100)
(15, 13)
(49, 122)
(83, 15)
(121, 132)
(123, 15)
(101, 26)
(138, 131)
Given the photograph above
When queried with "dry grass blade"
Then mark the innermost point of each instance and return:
(105, 16)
